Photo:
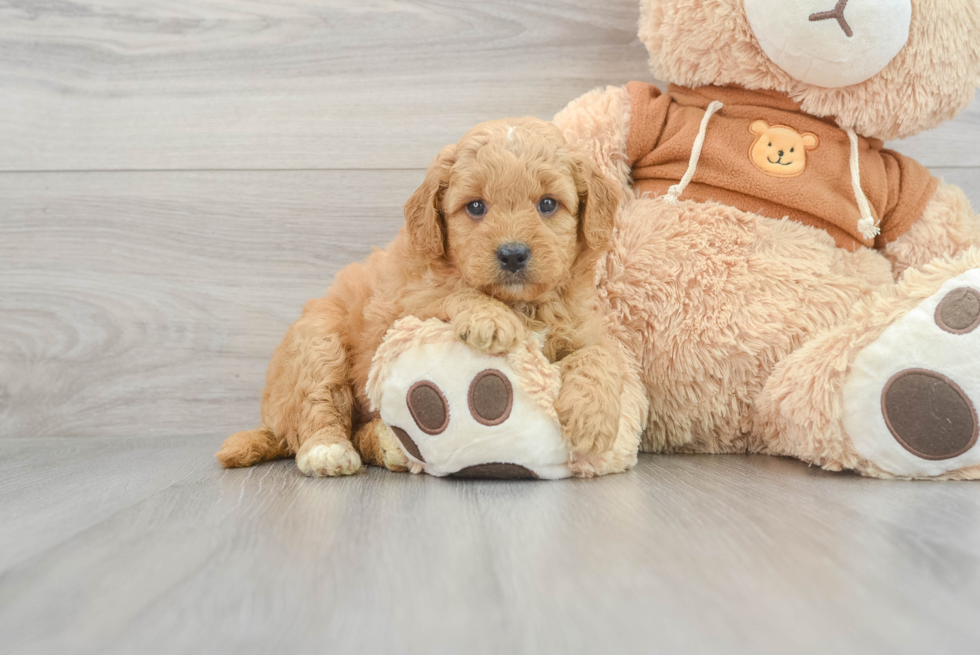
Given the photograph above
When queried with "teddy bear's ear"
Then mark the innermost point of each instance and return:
(598, 201)
(423, 211)
(810, 141)
(759, 127)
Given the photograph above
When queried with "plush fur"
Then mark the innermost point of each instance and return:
(746, 328)
(444, 264)
(933, 79)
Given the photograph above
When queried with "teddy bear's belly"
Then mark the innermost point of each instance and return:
(711, 298)
(656, 187)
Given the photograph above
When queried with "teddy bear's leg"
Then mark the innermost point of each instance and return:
(947, 227)
(378, 446)
(895, 391)
(599, 122)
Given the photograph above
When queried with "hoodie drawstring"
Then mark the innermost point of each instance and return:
(867, 226)
(674, 192)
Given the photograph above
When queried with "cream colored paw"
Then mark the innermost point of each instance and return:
(391, 453)
(493, 330)
(328, 460)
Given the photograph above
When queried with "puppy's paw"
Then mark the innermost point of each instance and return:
(328, 460)
(391, 453)
(588, 409)
(489, 328)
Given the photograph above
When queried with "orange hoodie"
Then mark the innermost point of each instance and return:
(762, 154)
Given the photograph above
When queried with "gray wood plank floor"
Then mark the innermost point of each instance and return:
(176, 178)
(139, 546)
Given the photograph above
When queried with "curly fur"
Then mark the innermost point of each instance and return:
(443, 264)
(790, 421)
(710, 299)
(947, 226)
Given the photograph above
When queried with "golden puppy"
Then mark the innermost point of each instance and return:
(501, 238)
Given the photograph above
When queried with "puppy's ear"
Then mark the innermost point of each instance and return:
(423, 211)
(599, 199)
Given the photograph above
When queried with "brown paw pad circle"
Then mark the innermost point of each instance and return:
(959, 311)
(496, 471)
(428, 407)
(491, 397)
(929, 414)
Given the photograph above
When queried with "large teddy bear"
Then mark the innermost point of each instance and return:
(785, 284)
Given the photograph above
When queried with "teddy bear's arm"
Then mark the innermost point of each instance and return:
(599, 122)
(948, 226)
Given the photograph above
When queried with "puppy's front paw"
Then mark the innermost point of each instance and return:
(589, 428)
(490, 329)
(589, 404)
(328, 460)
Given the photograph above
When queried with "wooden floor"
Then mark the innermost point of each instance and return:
(176, 178)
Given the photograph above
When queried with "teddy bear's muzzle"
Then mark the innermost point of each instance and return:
(831, 43)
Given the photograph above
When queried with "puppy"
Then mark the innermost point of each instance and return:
(502, 237)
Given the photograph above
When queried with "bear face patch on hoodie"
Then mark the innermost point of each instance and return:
(761, 154)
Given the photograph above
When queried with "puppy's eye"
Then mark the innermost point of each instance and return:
(547, 206)
(476, 209)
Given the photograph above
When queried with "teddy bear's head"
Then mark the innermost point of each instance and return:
(887, 68)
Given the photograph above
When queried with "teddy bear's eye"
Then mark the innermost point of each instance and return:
(770, 145)
(792, 149)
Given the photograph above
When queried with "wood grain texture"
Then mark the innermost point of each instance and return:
(137, 547)
(219, 84)
(149, 303)
(326, 84)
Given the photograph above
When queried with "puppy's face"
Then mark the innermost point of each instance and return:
(514, 209)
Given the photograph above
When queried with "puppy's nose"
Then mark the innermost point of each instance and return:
(781, 153)
(513, 257)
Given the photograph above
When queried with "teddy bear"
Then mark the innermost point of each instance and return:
(788, 285)
(785, 284)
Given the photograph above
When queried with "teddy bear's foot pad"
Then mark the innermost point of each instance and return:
(496, 471)
(929, 414)
(463, 414)
(910, 402)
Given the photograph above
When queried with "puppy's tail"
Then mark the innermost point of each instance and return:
(251, 447)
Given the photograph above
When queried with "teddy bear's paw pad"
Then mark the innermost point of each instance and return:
(459, 412)
(490, 397)
(959, 311)
(929, 415)
(910, 401)
(428, 406)
(496, 471)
